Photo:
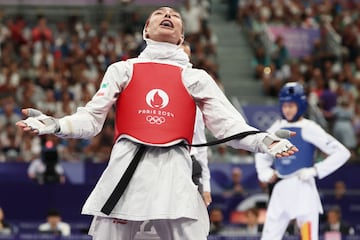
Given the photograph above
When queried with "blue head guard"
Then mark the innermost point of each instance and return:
(293, 92)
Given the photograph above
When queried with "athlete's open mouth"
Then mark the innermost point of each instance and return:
(167, 23)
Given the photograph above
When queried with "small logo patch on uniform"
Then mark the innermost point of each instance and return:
(120, 221)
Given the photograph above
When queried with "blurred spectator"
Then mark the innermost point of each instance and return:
(356, 123)
(221, 154)
(295, 74)
(95, 152)
(209, 41)
(5, 227)
(350, 40)
(9, 78)
(279, 54)
(43, 57)
(357, 69)
(334, 223)
(41, 32)
(54, 224)
(29, 93)
(217, 224)
(234, 192)
(314, 111)
(272, 81)
(192, 17)
(26, 70)
(207, 45)
(61, 36)
(9, 111)
(243, 156)
(17, 27)
(258, 28)
(339, 190)
(66, 105)
(327, 101)
(340, 198)
(49, 105)
(71, 150)
(343, 128)
(10, 142)
(30, 148)
(253, 227)
(308, 19)
(235, 188)
(260, 62)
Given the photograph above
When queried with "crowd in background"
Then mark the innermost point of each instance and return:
(330, 72)
(57, 66)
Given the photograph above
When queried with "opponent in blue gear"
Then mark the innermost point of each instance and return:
(292, 185)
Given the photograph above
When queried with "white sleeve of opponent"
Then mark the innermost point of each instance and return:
(200, 153)
(337, 153)
(263, 162)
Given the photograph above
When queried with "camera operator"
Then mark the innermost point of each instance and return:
(47, 169)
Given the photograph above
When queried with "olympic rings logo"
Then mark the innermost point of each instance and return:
(155, 119)
(263, 120)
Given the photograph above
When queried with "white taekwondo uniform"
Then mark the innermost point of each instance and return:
(161, 187)
(291, 197)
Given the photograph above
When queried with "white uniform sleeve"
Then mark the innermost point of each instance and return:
(337, 153)
(200, 153)
(220, 116)
(88, 120)
(263, 162)
(205, 172)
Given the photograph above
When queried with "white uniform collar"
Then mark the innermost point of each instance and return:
(163, 51)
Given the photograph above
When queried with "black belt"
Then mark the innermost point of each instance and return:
(227, 139)
(124, 181)
(129, 172)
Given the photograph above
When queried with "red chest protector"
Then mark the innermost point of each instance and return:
(155, 108)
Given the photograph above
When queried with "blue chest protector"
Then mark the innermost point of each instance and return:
(301, 159)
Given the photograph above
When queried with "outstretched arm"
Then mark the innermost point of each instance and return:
(224, 120)
(88, 120)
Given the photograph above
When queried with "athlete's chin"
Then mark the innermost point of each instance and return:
(166, 37)
(288, 118)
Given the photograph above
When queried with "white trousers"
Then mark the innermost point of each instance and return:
(103, 228)
(275, 228)
(292, 199)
